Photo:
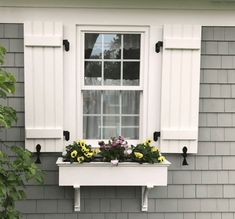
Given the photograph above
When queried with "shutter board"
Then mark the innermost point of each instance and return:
(44, 85)
(180, 88)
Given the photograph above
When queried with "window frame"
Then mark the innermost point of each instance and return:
(143, 86)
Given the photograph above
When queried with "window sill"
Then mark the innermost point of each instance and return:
(144, 175)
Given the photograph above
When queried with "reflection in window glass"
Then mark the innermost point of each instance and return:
(93, 46)
(93, 73)
(131, 46)
(112, 73)
(112, 46)
(131, 73)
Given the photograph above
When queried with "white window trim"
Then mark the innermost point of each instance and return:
(144, 31)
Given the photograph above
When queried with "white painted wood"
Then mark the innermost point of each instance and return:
(77, 198)
(180, 88)
(43, 86)
(43, 133)
(77, 175)
(178, 43)
(45, 41)
(144, 197)
(179, 134)
(110, 175)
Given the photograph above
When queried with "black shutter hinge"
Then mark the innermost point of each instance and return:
(156, 135)
(158, 45)
(66, 45)
(66, 135)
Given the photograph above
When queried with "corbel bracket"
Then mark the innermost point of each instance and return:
(77, 198)
(144, 200)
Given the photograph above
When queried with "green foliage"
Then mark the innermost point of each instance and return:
(7, 86)
(14, 173)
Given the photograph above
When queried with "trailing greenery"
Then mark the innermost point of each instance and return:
(14, 172)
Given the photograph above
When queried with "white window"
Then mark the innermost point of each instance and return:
(111, 76)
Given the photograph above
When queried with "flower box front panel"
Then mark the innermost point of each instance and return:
(106, 174)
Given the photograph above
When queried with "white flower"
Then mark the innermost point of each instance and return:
(64, 153)
(129, 151)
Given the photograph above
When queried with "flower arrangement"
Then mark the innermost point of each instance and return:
(145, 153)
(116, 150)
(79, 152)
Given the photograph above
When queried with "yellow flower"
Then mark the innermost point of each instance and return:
(154, 148)
(74, 153)
(161, 159)
(81, 143)
(96, 150)
(84, 149)
(88, 155)
(80, 159)
(148, 142)
(138, 155)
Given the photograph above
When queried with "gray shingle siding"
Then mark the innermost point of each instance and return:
(203, 190)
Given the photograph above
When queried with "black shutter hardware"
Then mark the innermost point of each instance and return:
(66, 135)
(158, 45)
(38, 149)
(66, 45)
(185, 149)
(156, 135)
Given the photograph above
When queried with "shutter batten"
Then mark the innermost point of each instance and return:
(180, 88)
(44, 85)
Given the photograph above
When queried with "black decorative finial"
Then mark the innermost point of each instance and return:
(38, 149)
(185, 149)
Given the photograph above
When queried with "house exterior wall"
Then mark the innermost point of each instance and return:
(204, 189)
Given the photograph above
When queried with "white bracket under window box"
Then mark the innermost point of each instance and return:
(124, 174)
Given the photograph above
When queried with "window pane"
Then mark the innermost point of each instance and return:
(130, 121)
(130, 102)
(131, 73)
(93, 74)
(130, 133)
(111, 103)
(131, 46)
(111, 126)
(91, 102)
(91, 127)
(93, 46)
(112, 73)
(112, 46)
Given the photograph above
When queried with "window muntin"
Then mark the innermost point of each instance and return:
(111, 93)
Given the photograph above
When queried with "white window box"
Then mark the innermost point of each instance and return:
(124, 174)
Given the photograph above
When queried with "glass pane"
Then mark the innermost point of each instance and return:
(112, 46)
(111, 102)
(91, 102)
(111, 126)
(131, 73)
(112, 73)
(93, 46)
(93, 74)
(91, 127)
(131, 46)
(130, 133)
(130, 121)
(130, 102)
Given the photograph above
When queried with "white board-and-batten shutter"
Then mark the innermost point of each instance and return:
(43, 57)
(180, 88)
